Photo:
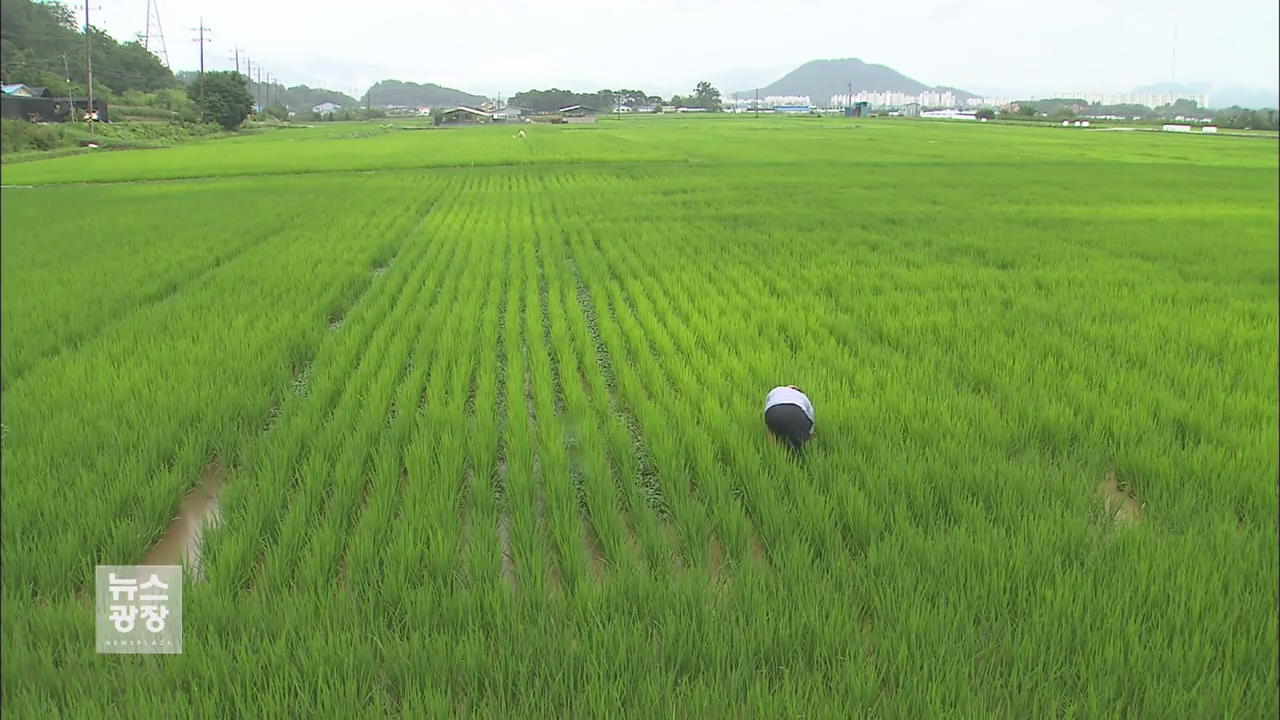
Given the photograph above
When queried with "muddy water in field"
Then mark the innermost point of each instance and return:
(1119, 504)
(200, 509)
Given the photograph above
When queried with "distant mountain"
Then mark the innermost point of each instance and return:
(736, 78)
(1220, 95)
(820, 79)
(394, 92)
(301, 98)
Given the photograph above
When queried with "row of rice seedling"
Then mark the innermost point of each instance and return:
(54, 301)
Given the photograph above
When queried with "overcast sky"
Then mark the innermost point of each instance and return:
(487, 47)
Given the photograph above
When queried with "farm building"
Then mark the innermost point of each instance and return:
(463, 115)
(858, 109)
(326, 107)
(21, 90)
(510, 112)
(578, 114)
(48, 109)
(911, 110)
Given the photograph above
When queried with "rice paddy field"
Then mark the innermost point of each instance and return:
(481, 418)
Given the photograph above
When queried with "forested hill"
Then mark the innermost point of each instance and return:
(395, 92)
(820, 79)
(36, 37)
(301, 97)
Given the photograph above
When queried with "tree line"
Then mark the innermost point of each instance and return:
(704, 96)
(1058, 109)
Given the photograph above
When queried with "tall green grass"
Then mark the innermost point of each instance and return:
(494, 442)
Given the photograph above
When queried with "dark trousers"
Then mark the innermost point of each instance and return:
(789, 423)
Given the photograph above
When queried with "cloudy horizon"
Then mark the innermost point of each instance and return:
(988, 46)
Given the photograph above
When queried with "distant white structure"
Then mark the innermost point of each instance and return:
(1209, 129)
(326, 107)
(1151, 100)
(1176, 128)
(877, 99)
(776, 100)
(978, 102)
(949, 114)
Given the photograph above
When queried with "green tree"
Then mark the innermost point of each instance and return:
(226, 99)
(705, 95)
(985, 114)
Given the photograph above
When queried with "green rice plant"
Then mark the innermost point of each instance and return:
(489, 416)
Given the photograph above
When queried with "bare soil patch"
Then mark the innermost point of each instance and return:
(757, 547)
(715, 558)
(200, 509)
(1118, 502)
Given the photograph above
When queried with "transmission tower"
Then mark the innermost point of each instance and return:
(153, 36)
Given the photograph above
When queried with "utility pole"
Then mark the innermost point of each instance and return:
(236, 56)
(202, 41)
(71, 106)
(248, 73)
(88, 66)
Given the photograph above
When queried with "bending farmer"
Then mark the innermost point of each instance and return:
(789, 415)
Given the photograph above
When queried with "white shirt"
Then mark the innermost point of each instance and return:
(789, 396)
